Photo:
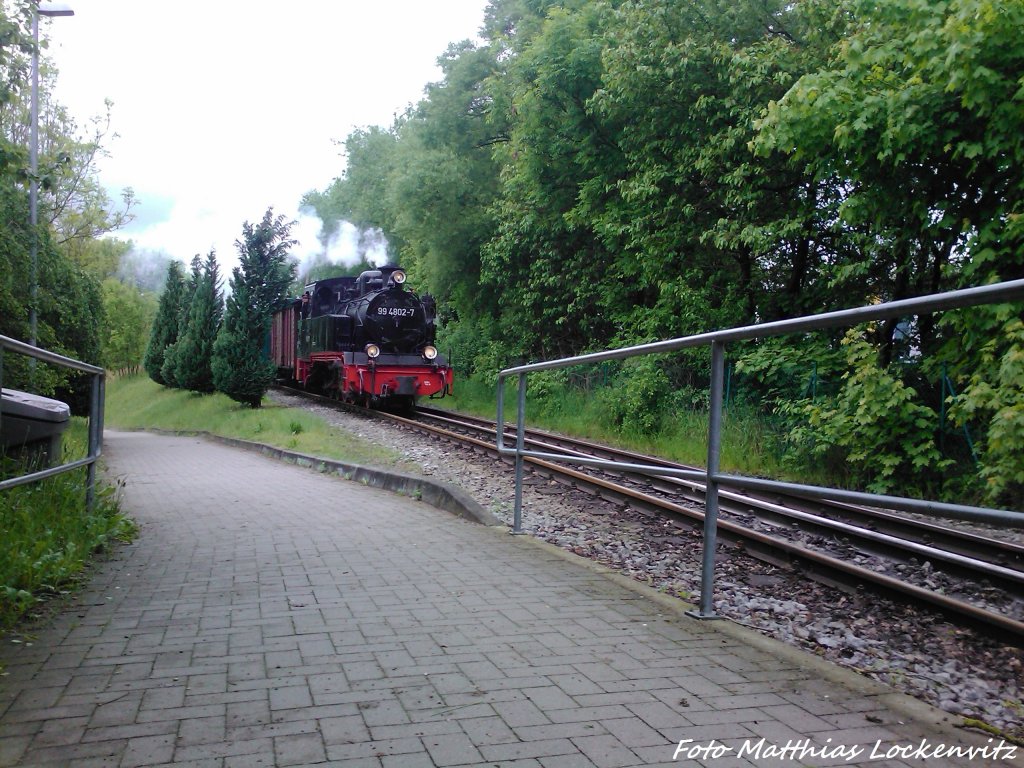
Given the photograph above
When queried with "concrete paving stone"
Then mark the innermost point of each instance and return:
(12, 748)
(417, 729)
(633, 732)
(588, 714)
(519, 713)
(613, 698)
(130, 730)
(451, 749)
(73, 754)
(344, 729)
(421, 760)
(487, 730)
(565, 761)
(606, 751)
(252, 624)
(247, 713)
(49, 713)
(170, 713)
(202, 730)
(457, 712)
(528, 749)
(659, 715)
(57, 732)
(379, 749)
(797, 718)
(560, 730)
(251, 749)
(147, 750)
(16, 730)
(385, 712)
(299, 749)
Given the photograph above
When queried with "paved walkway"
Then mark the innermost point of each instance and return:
(269, 615)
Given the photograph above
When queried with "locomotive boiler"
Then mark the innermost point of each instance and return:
(366, 339)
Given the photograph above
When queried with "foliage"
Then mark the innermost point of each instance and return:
(172, 357)
(241, 369)
(129, 314)
(636, 401)
(73, 209)
(165, 330)
(886, 439)
(69, 306)
(46, 536)
(993, 396)
(928, 94)
(193, 352)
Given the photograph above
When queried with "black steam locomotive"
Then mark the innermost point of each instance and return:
(363, 339)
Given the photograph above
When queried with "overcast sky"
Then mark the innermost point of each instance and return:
(225, 107)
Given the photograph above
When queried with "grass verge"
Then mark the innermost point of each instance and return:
(750, 446)
(136, 402)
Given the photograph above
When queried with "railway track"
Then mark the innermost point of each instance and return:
(971, 577)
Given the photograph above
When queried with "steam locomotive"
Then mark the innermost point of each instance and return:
(366, 340)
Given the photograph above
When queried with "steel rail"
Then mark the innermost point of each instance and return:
(960, 548)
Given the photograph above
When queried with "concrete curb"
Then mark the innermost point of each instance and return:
(440, 495)
(445, 497)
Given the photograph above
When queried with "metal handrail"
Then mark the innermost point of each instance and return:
(96, 403)
(988, 294)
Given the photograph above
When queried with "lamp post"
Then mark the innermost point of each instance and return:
(40, 9)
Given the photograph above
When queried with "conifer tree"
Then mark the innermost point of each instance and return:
(165, 325)
(193, 352)
(241, 369)
(169, 370)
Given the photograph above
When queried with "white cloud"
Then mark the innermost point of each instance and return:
(223, 108)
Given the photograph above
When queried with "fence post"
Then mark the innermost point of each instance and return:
(517, 515)
(707, 578)
(519, 442)
(94, 440)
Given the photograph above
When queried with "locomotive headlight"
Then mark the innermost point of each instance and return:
(372, 351)
(398, 276)
(429, 352)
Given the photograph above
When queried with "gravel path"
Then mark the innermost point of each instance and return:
(914, 651)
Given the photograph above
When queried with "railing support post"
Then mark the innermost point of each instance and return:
(707, 578)
(95, 424)
(517, 514)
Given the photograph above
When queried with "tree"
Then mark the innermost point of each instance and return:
(129, 314)
(241, 369)
(916, 122)
(169, 369)
(194, 350)
(165, 329)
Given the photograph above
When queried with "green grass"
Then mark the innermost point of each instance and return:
(46, 535)
(136, 402)
(749, 443)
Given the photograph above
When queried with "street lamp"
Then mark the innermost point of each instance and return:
(40, 9)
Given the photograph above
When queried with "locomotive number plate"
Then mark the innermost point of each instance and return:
(396, 311)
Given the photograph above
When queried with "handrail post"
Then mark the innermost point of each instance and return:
(707, 578)
(94, 439)
(500, 416)
(517, 515)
